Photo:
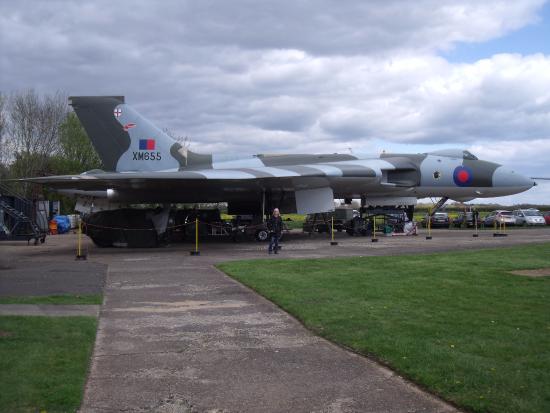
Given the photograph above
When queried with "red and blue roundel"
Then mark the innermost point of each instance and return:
(462, 176)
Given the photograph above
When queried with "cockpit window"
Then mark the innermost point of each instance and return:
(454, 153)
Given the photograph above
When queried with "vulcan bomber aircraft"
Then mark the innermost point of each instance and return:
(142, 164)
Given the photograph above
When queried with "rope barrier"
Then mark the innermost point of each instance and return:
(86, 224)
(172, 226)
(228, 226)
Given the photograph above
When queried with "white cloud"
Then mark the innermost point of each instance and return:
(318, 27)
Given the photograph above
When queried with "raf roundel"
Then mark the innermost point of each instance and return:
(462, 176)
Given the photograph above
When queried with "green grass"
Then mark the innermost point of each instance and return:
(43, 362)
(457, 323)
(54, 299)
(296, 220)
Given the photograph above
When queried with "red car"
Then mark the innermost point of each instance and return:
(546, 216)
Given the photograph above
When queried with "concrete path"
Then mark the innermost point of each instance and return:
(176, 335)
(40, 277)
(50, 310)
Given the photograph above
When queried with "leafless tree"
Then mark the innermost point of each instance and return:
(3, 149)
(34, 129)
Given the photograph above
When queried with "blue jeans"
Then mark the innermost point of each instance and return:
(273, 242)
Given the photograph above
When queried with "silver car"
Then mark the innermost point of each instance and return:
(529, 217)
(500, 216)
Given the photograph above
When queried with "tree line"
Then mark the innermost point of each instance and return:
(40, 135)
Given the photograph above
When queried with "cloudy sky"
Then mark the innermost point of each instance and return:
(304, 76)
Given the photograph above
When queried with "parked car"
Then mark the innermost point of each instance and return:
(546, 216)
(439, 219)
(500, 217)
(464, 219)
(529, 217)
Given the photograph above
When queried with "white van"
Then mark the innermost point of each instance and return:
(529, 217)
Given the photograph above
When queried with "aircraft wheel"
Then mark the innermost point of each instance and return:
(262, 235)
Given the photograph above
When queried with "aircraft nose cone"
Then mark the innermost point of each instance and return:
(507, 178)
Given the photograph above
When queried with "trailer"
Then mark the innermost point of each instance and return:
(388, 220)
(339, 220)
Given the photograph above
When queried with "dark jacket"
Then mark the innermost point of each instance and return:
(275, 225)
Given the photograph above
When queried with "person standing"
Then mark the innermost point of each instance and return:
(475, 216)
(275, 227)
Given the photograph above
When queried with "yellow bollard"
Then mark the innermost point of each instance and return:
(332, 242)
(79, 255)
(501, 228)
(196, 251)
(504, 234)
(374, 239)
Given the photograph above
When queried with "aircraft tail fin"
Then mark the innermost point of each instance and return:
(125, 140)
